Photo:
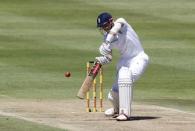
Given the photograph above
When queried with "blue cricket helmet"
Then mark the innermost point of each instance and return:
(103, 19)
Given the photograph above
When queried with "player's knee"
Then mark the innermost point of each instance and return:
(112, 95)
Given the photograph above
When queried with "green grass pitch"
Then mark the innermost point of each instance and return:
(42, 39)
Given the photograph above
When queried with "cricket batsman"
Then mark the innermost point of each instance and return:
(131, 65)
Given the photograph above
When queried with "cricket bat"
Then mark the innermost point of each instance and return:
(87, 83)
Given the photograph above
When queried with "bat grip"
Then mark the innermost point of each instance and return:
(94, 71)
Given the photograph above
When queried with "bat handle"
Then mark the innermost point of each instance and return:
(95, 69)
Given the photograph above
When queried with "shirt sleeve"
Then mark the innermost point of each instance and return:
(113, 32)
(118, 25)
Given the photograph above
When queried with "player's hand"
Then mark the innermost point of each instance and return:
(105, 49)
(104, 59)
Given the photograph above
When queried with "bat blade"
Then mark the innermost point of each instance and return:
(87, 84)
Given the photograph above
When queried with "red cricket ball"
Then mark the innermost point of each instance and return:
(67, 74)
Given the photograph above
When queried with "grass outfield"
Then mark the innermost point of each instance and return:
(40, 40)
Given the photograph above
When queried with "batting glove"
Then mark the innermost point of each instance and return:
(104, 59)
(105, 49)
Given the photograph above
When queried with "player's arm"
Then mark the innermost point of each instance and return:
(106, 52)
(105, 49)
(113, 32)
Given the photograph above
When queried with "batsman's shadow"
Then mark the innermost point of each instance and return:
(138, 118)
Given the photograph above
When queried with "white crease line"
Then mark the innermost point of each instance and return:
(56, 125)
(173, 109)
(15, 116)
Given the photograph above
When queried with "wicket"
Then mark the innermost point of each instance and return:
(94, 91)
